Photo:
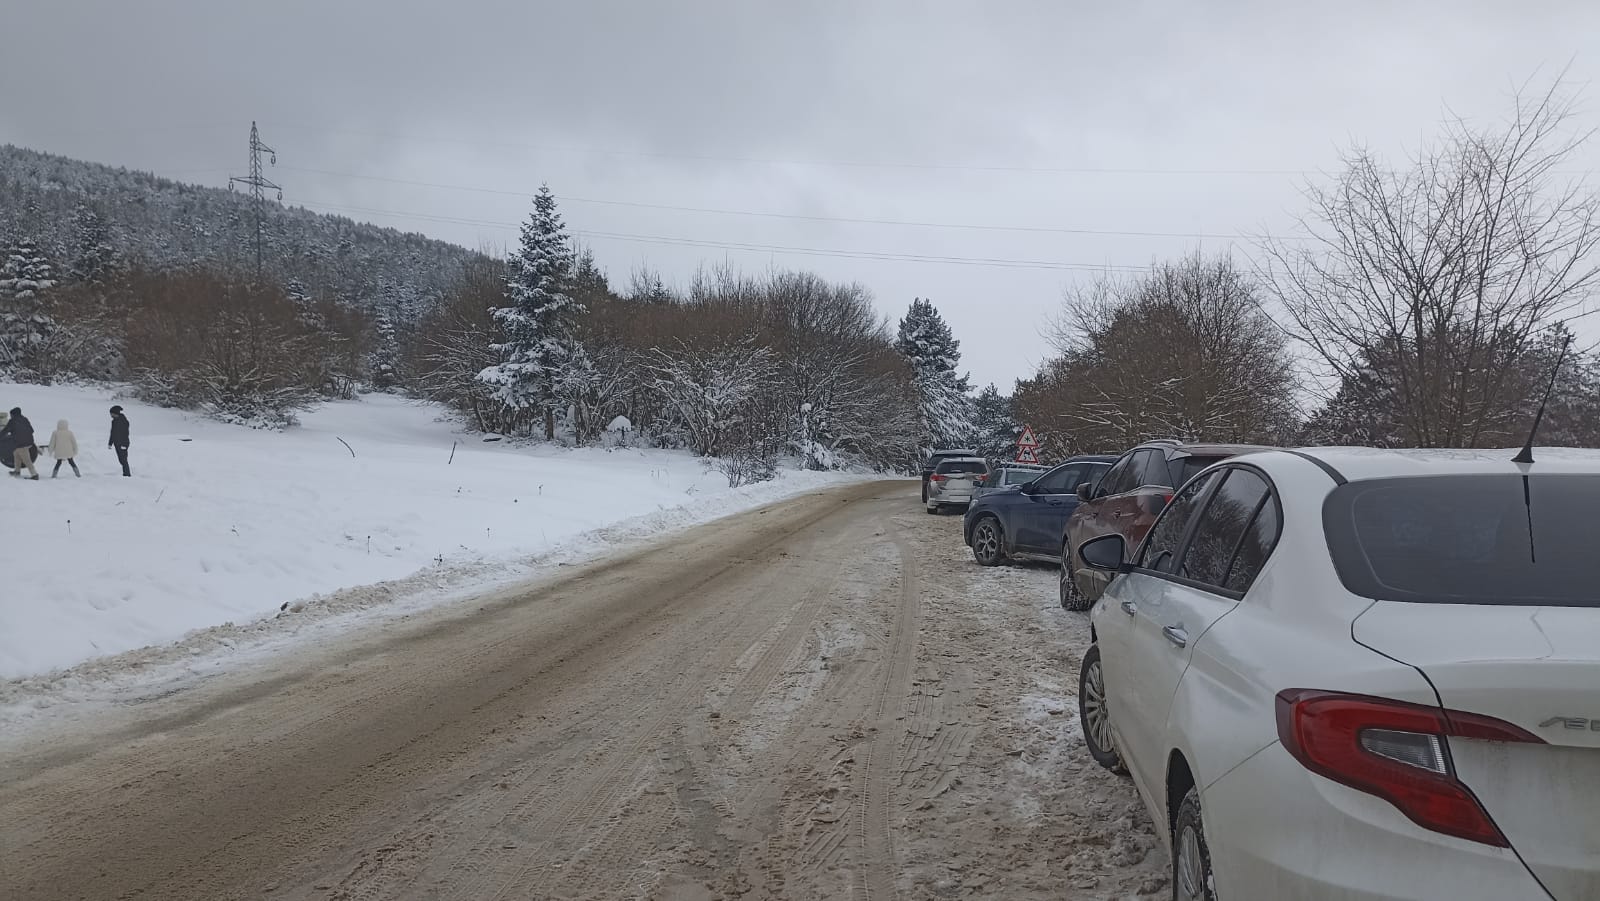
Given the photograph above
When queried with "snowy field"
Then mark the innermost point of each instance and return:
(224, 525)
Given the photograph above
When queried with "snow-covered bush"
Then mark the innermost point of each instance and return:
(619, 432)
(746, 467)
(712, 390)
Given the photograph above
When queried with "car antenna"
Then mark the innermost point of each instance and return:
(1526, 455)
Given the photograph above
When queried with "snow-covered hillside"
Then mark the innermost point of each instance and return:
(223, 524)
(71, 207)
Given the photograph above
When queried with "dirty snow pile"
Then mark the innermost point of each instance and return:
(223, 524)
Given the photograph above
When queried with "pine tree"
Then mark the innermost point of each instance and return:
(385, 353)
(538, 318)
(589, 284)
(304, 303)
(945, 407)
(994, 425)
(27, 271)
(26, 328)
(94, 259)
(659, 292)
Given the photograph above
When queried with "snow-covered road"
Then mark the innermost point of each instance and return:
(820, 699)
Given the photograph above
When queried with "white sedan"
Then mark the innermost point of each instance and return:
(1356, 674)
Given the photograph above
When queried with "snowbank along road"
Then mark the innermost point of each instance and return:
(820, 699)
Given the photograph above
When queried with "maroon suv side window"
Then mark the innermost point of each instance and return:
(1161, 549)
(1153, 470)
(1113, 482)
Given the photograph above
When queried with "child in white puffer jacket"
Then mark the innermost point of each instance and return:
(64, 447)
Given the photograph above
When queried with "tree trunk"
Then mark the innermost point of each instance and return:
(549, 424)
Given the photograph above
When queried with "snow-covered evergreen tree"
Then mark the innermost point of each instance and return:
(27, 330)
(946, 407)
(305, 304)
(27, 271)
(93, 258)
(537, 319)
(995, 427)
(385, 354)
(588, 282)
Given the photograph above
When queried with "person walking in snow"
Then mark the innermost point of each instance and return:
(64, 447)
(20, 431)
(119, 438)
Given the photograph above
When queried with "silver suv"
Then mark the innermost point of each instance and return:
(953, 481)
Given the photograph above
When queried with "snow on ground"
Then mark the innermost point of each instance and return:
(223, 525)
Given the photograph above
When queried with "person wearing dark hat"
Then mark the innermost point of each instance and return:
(20, 430)
(119, 438)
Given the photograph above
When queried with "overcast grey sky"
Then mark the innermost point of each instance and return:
(1178, 118)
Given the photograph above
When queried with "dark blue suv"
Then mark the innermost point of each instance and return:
(1027, 521)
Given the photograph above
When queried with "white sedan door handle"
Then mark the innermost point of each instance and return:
(1129, 607)
(1176, 635)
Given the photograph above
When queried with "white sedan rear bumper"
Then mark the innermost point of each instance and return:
(1278, 832)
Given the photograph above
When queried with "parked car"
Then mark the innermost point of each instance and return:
(1007, 475)
(932, 461)
(1026, 521)
(1360, 674)
(1126, 501)
(952, 481)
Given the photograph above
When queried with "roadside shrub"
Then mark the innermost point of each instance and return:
(240, 353)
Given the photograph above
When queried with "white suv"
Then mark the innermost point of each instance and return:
(1359, 675)
(953, 482)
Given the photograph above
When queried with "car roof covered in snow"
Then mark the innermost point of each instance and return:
(1357, 463)
(1213, 450)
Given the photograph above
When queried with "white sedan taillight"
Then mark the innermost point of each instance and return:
(1397, 751)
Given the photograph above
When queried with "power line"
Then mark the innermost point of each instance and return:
(857, 164)
(1270, 171)
(1034, 229)
(1273, 171)
(869, 255)
(842, 253)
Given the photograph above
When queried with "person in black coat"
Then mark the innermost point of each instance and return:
(8, 445)
(20, 431)
(119, 438)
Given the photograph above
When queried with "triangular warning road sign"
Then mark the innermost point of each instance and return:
(1026, 455)
(1027, 439)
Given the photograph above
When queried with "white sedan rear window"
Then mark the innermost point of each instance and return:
(1468, 539)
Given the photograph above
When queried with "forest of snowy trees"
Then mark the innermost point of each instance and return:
(742, 369)
(119, 276)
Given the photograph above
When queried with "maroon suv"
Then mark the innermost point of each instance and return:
(1126, 500)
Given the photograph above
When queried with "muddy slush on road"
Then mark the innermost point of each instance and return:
(825, 698)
